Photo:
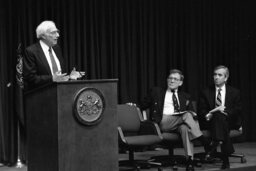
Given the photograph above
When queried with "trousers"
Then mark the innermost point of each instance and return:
(184, 124)
(219, 129)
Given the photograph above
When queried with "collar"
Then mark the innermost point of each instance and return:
(44, 46)
(175, 90)
(223, 88)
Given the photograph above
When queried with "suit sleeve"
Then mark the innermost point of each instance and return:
(235, 107)
(203, 105)
(152, 102)
(189, 103)
(33, 72)
(147, 101)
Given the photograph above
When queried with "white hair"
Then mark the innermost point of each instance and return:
(43, 27)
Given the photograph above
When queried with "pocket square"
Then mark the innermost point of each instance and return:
(187, 102)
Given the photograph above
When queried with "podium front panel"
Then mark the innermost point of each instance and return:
(65, 142)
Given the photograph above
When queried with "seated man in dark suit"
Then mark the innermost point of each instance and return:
(218, 106)
(173, 111)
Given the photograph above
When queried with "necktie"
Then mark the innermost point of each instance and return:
(54, 65)
(218, 99)
(175, 102)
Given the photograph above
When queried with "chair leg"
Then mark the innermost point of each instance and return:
(170, 150)
(241, 156)
(130, 162)
(131, 155)
(136, 164)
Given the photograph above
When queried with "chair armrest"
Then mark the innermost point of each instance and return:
(149, 128)
(121, 134)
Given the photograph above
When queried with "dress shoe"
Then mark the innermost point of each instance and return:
(225, 166)
(225, 163)
(190, 165)
(209, 159)
(211, 149)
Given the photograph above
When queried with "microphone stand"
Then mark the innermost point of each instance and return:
(19, 164)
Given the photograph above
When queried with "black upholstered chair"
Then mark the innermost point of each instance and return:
(172, 140)
(135, 134)
(235, 134)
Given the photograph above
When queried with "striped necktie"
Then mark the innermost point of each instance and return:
(54, 65)
(218, 101)
(175, 102)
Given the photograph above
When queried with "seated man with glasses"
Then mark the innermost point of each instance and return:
(173, 111)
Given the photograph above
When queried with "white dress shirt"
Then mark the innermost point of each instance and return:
(168, 102)
(46, 53)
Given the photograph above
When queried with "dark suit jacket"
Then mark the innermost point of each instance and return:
(155, 102)
(232, 103)
(36, 70)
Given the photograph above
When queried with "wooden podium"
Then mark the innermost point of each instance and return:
(62, 139)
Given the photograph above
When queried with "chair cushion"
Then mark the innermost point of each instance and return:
(233, 133)
(142, 140)
(174, 138)
(171, 136)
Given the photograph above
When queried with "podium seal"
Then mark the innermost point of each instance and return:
(89, 104)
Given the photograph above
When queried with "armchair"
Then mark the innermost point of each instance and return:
(172, 140)
(236, 132)
(135, 134)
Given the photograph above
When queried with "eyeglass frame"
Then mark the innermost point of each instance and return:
(174, 79)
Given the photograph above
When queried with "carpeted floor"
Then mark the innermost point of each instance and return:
(248, 149)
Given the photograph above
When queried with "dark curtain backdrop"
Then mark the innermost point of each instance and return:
(136, 41)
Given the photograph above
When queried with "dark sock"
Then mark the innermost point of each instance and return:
(225, 159)
(189, 160)
(204, 140)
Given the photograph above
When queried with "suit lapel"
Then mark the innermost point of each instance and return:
(42, 58)
(162, 97)
(227, 97)
(181, 100)
(212, 98)
(184, 102)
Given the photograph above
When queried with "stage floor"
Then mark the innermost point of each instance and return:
(248, 149)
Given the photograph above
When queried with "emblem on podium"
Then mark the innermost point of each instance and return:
(89, 105)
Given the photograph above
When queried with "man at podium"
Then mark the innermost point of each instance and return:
(43, 61)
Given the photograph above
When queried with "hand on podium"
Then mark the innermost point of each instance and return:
(57, 77)
(74, 75)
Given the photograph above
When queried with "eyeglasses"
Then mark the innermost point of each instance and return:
(173, 78)
(54, 32)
